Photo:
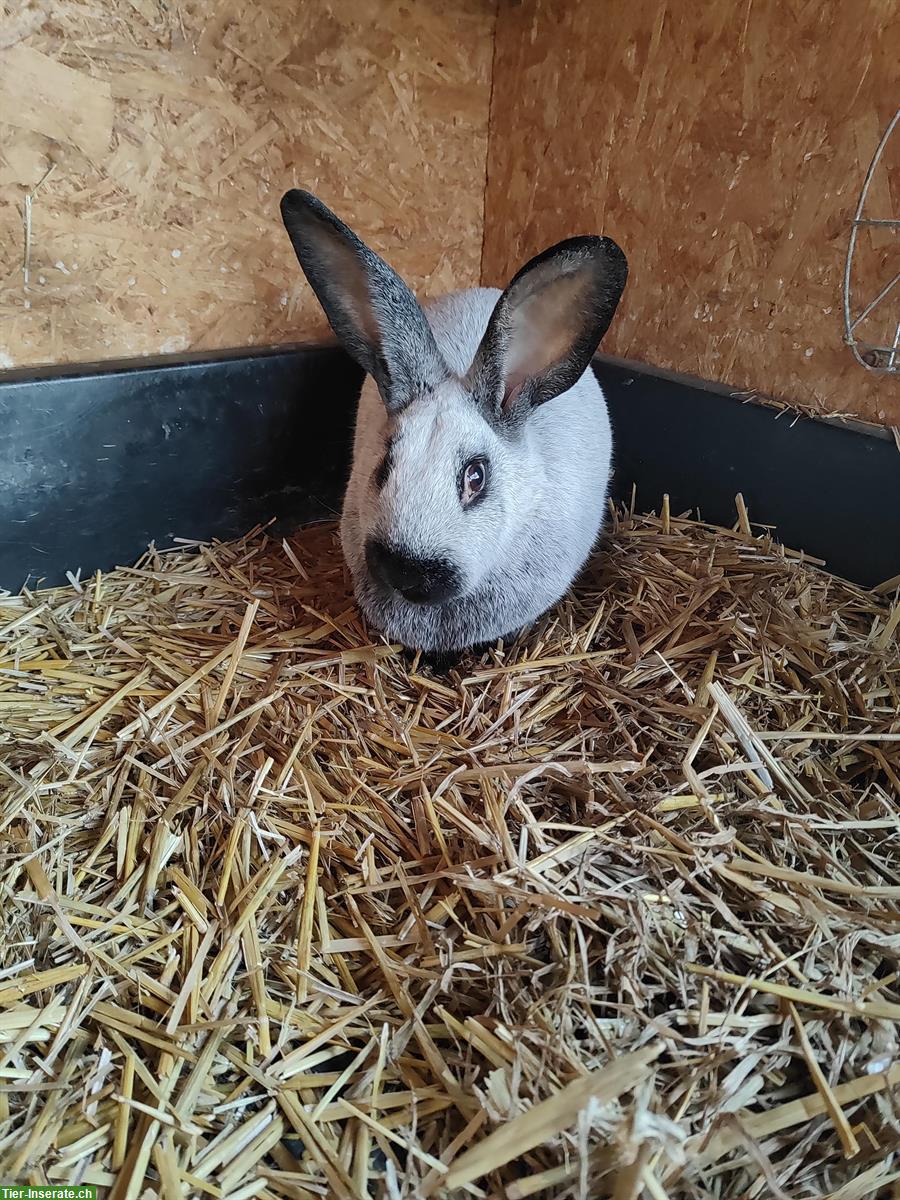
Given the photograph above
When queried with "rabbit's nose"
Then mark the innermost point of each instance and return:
(420, 580)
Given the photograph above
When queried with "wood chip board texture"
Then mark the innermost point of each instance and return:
(724, 146)
(144, 148)
(611, 911)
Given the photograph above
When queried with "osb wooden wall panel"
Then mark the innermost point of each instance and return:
(155, 140)
(724, 145)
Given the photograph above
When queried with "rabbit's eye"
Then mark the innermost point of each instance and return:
(474, 479)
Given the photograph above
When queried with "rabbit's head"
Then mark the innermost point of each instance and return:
(455, 461)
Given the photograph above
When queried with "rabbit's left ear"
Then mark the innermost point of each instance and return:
(547, 326)
(369, 307)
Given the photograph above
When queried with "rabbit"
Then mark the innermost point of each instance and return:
(482, 448)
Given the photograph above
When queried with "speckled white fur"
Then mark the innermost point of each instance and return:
(518, 551)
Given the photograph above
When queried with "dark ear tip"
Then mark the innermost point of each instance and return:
(609, 253)
(589, 250)
(613, 248)
(608, 257)
(296, 200)
(615, 258)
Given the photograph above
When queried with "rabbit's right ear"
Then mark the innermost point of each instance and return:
(546, 327)
(369, 307)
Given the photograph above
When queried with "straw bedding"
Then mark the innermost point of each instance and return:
(612, 911)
